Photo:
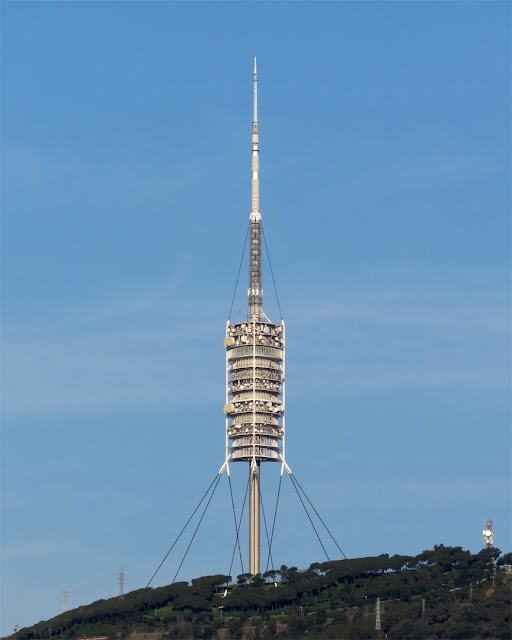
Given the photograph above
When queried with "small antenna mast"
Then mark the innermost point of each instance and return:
(121, 585)
(64, 600)
(488, 535)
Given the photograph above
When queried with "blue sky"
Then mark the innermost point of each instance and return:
(385, 194)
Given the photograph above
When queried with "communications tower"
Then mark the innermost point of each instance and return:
(255, 370)
(255, 394)
(488, 535)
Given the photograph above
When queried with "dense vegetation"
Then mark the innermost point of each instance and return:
(441, 593)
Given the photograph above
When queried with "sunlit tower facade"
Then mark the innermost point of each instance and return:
(255, 372)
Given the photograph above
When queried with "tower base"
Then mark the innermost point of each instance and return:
(254, 518)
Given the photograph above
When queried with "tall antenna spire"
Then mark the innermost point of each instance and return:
(255, 290)
(255, 76)
(255, 212)
(255, 305)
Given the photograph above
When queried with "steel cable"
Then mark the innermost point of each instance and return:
(271, 270)
(181, 532)
(236, 528)
(198, 525)
(307, 513)
(266, 531)
(318, 516)
(238, 274)
(274, 521)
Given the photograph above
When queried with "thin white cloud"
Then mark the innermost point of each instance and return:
(438, 491)
(29, 171)
(125, 356)
(142, 350)
(38, 549)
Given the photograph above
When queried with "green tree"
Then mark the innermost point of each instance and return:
(270, 575)
(257, 581)
(292, 575)
(505, 559)
(321, 616)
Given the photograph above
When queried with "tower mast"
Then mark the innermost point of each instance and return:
(255, 292)
(255, 299)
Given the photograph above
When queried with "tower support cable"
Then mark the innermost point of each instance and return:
(271, 270)
(238, 531)
(181, 532)
(266, 531)
(236, 527)
(198, 525)
(309, 517)
(238, 274)
(274, 521)
(318, 516)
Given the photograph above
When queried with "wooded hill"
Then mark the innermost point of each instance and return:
(441, 593)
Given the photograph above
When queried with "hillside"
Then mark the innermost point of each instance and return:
(441, 593)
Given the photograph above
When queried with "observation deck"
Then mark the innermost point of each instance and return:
(255, 390)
